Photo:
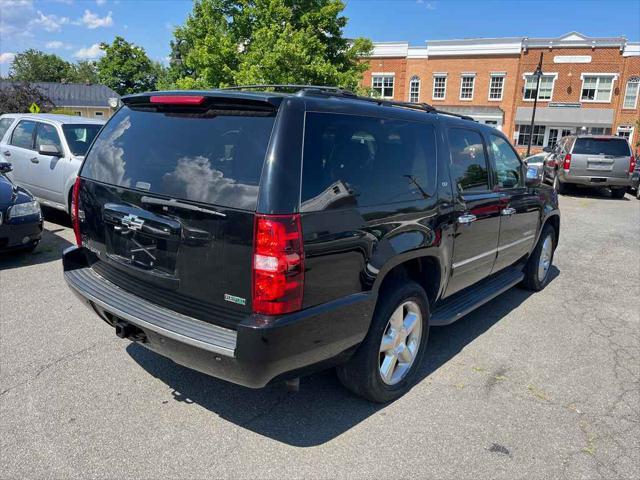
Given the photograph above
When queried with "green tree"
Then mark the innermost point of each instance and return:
(85, 71)
(36, 66)
(17, 97)
(227, 42)
(126, 68)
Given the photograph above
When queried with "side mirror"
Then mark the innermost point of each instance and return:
(534, 175)
(49, 149)
(5, 167)
(547, 149)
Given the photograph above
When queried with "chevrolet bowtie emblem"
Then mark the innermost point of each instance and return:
(132, 222)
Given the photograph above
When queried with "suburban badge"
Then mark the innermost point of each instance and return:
(234, 299)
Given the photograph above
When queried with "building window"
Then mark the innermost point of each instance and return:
(98, 114)
(631, 94)
(439, 87)
(78, 114)
(546, 87)
(383, 85)
(466, 87)
(496, 87)
(625, 131)
(414, 89)
(524, 132)
(597, 88)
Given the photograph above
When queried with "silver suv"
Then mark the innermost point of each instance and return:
(46, 152)
(593, 161)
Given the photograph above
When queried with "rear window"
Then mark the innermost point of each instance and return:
(616, 147)
(214, 159)
(79, 137)
(352, 160)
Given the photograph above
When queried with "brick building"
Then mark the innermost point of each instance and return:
(590, 85)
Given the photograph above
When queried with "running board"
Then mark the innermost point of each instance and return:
(467, 300)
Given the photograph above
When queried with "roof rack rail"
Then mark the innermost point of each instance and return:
(341, 92)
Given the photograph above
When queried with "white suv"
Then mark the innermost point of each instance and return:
(46, 152)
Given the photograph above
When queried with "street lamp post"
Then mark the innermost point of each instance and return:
(538, 75)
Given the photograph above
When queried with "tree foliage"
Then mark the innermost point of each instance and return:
(18, 97)
(228, 42)
(85, 71)
(36, 66)
(126, 68)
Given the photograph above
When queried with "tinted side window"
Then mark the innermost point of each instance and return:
(508, 166)
(5, 123)
(22, 136)
(47, 135)
(468, 160)
(365, 161)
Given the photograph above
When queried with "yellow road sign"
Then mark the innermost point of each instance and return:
(34, 108)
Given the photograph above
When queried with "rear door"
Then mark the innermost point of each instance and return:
(520, 207)
(477, 209)
(169, 194)
(47, 173)
(600, 157)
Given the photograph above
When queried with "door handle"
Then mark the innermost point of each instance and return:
(508, 211)
(466, 218)
(34, 160)
(7, 153)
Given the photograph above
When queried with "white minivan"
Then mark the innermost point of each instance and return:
(46, 151)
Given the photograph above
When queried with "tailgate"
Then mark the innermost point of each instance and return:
(601, 157)
(168, 200)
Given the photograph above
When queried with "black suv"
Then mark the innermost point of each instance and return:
(257, 236)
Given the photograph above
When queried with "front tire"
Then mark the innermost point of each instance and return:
(386, 364)
(536, 272)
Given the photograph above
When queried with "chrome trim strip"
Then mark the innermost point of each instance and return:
(513, 244)
(490, 252)
(473, 259)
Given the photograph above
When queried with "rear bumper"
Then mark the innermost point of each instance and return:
(595, 180)
(260, 350)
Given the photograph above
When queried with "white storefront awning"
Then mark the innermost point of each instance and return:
(567, 116)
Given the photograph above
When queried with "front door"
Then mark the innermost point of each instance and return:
(19, 151)
(520, 207)
(477, 210)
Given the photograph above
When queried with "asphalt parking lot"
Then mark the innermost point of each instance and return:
(529, 386)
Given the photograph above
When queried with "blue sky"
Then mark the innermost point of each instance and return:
(74, 28)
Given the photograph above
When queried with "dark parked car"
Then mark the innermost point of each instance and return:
(20, 216)
(258, 236)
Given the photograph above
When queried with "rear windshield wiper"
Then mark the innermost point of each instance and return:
(176, 204)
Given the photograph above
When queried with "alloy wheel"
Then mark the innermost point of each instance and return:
(545, 258)
(400, 342)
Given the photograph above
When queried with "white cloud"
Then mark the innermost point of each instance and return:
(57, 45)
(7, 57)
(51, 23)
(89, 53)
(93, 20)
(101, 2)
(431, 5)
(15, 17)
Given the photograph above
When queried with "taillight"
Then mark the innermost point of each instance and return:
(75, 218)
(566, 165)
(278, 264)
(632, 164)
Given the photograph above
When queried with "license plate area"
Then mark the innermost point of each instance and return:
(599, 164)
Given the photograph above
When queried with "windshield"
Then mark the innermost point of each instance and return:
(79, 137)
(214, 159)
(539, 158)
(615, 147)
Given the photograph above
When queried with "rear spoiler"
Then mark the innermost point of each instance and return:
(202, 102)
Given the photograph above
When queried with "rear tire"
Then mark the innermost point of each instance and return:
(536, 271)
(362, 374)
(618, 192)
(559, 186)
